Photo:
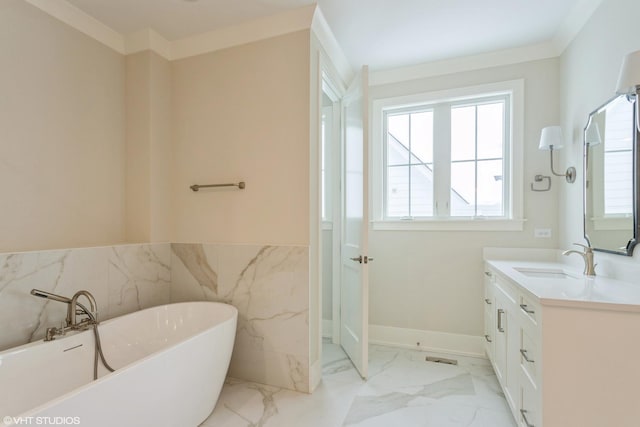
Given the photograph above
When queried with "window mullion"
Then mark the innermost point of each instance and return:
(409, 168)
(442, 159)
(475, 163)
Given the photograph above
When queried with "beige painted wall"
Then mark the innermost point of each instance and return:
(589, 73)
(432, 280)
(148, 155)
(61, 134)
(243, 114)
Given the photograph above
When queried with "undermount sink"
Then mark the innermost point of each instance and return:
(546, 273)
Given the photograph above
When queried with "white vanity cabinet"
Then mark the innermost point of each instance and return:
(507, 326)
(562, 363)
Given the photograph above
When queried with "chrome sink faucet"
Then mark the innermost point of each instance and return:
(74, 309)
(587, 256)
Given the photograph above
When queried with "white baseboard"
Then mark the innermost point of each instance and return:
(327, 328)
(439, 342)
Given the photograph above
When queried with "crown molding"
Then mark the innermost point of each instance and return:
(250, 31)
(86, 24)
(147, 39)
(258, 29)
(308, 17)
(464, 63)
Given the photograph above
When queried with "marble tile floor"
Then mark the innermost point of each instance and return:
(403, 390)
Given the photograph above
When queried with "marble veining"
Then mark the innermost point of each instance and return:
(122, 278)
(139, 277)
(195, 260)
(269, 287)
(403, 390)
(365, 407)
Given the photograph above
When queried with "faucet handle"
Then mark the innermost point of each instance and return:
(587, 249)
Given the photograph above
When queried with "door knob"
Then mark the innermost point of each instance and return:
(359, 259)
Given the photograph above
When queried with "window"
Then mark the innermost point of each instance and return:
(618, 160)
(448, 157)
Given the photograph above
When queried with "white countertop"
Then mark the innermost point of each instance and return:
(573, 290)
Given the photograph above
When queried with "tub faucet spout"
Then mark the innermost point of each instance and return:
(74, 308)
(72, 311)
(587, 256)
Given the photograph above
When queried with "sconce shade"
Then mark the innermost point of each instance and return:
(629, 78)
(593, 137)
(551, 137)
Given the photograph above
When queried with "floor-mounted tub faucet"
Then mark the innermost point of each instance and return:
(587, 256)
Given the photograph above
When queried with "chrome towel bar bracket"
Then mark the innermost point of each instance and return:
(241, 185)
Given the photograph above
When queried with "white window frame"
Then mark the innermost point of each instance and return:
(513, 219)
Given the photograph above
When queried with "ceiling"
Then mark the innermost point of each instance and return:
(380, 33)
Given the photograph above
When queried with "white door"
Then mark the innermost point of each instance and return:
(354, 293)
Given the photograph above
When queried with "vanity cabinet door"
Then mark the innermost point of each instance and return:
(500, 328)
(506, 341)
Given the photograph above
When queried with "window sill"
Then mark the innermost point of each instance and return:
(450, 225)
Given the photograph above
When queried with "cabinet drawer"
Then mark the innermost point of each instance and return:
(507, 289)
(529, 357)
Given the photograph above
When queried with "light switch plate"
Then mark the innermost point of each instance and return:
(542, 233)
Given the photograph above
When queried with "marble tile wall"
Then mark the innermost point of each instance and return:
(123, 279)
(269, 286)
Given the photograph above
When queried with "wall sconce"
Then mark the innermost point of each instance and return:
(551, 139)
(629, 80)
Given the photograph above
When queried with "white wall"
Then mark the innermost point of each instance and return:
(242, 113)
(589, 71)
(432, 280)
(62, 136)
(148, 155)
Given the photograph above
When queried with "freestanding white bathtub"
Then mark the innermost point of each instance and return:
(170, 361)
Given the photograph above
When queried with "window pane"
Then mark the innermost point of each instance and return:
(618, 159)
(398, 191)
(490, 130)
(398, 126)
(463, 133)
(422, 190)
(490, 188)
(422, 137)
(463, 183)
(616, 130)
(618, 183)
(397, 154)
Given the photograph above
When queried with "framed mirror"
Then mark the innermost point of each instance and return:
(611, 177)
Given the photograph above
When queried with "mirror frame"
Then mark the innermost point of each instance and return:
(628, 251)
